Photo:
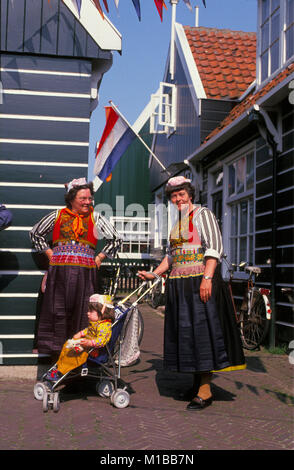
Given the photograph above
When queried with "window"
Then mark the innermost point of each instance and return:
(276, 35)
(136, 235)
(241, 174)
(241, 233)
(240, 177)
(270, 37)
(164, 103)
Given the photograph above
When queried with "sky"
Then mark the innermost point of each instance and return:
(136, 73)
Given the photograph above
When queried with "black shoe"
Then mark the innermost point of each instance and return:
(199, 403)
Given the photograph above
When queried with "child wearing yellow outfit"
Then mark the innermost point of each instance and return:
(76, 350)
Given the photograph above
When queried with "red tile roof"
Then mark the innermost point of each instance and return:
(252, 98)
(225, 60)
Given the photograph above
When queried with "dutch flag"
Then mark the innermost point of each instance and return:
(116, 138)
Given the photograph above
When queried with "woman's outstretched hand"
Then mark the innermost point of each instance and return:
(145, 275)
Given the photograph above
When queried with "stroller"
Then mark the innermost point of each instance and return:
(105, 369)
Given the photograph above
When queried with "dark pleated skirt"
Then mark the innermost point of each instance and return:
(64, 306)
(200, 336)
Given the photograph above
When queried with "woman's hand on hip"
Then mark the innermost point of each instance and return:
(98, 260)
(205, 289)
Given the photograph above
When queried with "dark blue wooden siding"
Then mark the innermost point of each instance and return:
(42, 27)
(44, 152)
(44, 130)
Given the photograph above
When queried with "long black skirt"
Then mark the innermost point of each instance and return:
(64, 306)
(198, 336)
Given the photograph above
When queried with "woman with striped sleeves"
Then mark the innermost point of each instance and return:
(71, 277)
(200, 334)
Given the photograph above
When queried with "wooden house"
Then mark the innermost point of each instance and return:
(233, 131)
(52, 61)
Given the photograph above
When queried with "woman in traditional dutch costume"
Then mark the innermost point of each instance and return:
(71, 276)
(200, 332)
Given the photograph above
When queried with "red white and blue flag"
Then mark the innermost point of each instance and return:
(116, 138)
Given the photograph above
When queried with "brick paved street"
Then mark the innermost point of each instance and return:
(253, 409)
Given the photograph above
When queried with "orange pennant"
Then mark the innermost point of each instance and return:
(109, 177)
(98, 6)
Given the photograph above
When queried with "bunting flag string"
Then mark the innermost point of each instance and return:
(160, 4)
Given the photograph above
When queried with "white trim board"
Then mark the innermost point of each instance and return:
(101, 30)
(41, 163)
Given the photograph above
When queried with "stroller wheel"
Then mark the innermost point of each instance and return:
(39, 390)
(56, 402)
(45, 402)
(104, 388)
(120, 398)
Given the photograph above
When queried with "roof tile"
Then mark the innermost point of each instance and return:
(223, 57)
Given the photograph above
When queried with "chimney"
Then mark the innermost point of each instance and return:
(197, 16)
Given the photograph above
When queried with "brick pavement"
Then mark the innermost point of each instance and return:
(252, 410)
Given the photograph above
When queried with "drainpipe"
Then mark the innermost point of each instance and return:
(271, 136)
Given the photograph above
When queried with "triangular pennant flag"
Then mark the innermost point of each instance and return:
(98, 6)
(137, 8)
(106, 6)
(79, 4)
(188, 4)
(204, 3)
(159, 5)
(116, 3)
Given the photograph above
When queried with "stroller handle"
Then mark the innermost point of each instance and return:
(139, 288)
(158, 279)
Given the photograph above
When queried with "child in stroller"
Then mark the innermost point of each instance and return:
(75, 351)
(105, 367)
(91, 357)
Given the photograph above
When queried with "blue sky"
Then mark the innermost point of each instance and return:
(136, 74)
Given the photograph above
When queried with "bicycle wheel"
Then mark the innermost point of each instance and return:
(254, 327)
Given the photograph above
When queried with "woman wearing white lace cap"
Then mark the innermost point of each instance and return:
(73, 263)
(200, 333)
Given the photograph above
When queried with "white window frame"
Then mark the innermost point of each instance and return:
(164, 117)
(230, 200)
(129, 233)
(283, 62)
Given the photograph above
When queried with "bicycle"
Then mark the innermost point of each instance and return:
(254, 315)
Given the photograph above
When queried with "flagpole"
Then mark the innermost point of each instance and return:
(140, 138)
(172, 39)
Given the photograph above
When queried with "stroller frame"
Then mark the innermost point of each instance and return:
(108, 374)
